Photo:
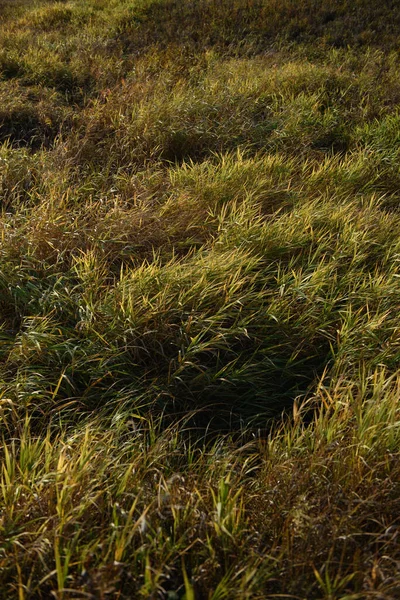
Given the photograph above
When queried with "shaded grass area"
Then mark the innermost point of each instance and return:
(242, 26)
(123, 507)
(199, 296)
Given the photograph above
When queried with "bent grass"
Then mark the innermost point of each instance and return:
(199, 290)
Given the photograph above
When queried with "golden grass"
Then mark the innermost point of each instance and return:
(199, 295)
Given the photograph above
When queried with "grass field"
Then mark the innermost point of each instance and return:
(199, 299)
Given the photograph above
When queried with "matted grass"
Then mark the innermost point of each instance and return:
(199, 295)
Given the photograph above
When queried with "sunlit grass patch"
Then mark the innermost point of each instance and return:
(313, 499)
(199, 299)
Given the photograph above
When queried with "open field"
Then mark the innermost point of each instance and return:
(199, 299)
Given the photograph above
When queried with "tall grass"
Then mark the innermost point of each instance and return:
(199, 290)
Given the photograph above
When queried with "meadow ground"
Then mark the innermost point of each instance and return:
(199, 299)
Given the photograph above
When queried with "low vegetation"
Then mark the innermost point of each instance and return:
(199, 299)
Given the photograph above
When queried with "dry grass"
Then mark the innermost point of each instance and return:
(199, 295)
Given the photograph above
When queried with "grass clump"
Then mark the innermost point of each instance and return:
(199, 290)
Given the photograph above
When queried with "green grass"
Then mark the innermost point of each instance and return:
(199, 297)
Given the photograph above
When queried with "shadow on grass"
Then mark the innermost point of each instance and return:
(223, 24)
